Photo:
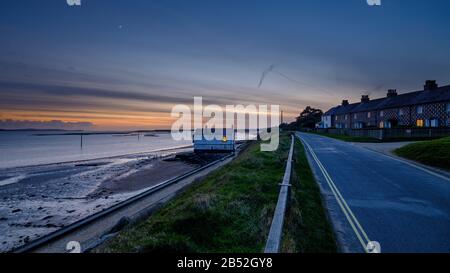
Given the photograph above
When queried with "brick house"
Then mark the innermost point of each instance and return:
(429, 107)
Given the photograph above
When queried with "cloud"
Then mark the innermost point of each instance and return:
(87, 96)
(52, 124)
(70, 91)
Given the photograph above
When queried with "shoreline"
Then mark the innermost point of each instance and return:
(97, 158)
(52, 196)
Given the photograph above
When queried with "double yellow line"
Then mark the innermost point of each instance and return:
(354, 223)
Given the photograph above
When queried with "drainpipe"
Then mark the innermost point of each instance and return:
(410, 117)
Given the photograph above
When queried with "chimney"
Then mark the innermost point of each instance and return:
(365, 98)
(430, 85)
(392, 93)
(344, 102)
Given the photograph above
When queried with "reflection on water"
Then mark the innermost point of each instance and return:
(25, 148)
(44, 147)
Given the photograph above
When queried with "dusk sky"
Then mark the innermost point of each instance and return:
(119, 64)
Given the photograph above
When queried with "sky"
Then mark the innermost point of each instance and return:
(118, 64)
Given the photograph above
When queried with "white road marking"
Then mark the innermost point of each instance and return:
(410, 164)
(351, 218)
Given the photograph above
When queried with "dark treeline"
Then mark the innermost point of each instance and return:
(307, 119)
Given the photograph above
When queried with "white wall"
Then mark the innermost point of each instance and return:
(326, 121)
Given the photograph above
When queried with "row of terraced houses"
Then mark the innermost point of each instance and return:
(429, 107)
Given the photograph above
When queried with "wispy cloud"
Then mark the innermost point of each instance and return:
(53, 124)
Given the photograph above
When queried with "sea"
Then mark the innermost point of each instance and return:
(27, 148)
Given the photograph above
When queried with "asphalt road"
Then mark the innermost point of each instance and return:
(374, 197)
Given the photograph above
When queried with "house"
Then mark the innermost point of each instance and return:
(220, 140)
(429, 107)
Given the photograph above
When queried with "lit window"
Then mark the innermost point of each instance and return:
(381, 113)
(400, 112)
(419, 109)
(368, 115)
(419, 123)
(381, 124)
(336, 118)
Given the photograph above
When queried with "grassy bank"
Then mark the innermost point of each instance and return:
(434, 153)
(231, 211)
(307, 229)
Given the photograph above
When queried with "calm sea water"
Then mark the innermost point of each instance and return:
(26, 148)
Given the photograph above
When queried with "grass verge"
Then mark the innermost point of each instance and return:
(435, 153)
(231, 210)
(307, 228)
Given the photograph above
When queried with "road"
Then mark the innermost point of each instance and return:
(374, 197)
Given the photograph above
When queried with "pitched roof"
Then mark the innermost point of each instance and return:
(368, 106)
(332, 111)
(401, 100)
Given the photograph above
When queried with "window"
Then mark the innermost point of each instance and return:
(434, 123)
(355, 116)
(419, 123)
(381, 124)
(401, 112)
(346, 117)
(358, 125)
(448, 107)
(368, 115)
(419, 109)
(336, 118)
(381, 113)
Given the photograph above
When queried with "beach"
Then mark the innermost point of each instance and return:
(37, 200)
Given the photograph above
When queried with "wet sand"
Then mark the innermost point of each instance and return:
(43, 199)
(151, 175)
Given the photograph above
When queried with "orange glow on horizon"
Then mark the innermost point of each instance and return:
(105, 119)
